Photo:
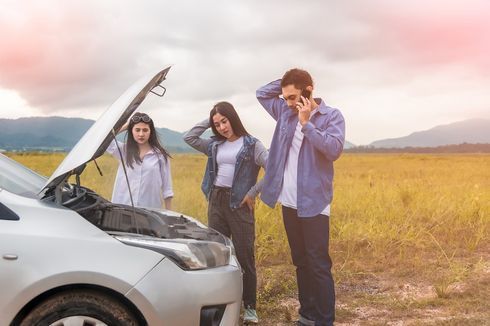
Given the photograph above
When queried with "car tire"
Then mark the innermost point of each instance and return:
(80, 307)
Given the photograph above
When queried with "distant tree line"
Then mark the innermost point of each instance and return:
(460, 148)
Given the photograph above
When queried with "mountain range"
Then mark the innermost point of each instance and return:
(61, 134)
(471, 131)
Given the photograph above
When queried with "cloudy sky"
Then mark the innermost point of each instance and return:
(391, 67)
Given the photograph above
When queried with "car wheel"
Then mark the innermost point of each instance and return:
(80, 308)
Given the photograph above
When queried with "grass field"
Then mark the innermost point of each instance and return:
(410, 236)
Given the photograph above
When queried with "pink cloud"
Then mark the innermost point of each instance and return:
(48, 52)
(438, 33)
(40, 43)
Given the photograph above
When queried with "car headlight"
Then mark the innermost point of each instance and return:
(188, 254)
(230, 245)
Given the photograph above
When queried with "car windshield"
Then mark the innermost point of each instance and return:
(17, 179)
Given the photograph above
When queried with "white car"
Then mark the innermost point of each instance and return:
(70, 257)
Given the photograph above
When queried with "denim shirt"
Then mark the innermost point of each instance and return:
(323, 143)
(250, 158)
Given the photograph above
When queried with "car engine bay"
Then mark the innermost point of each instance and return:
(111, 217)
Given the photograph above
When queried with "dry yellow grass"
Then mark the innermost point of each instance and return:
(410, 235)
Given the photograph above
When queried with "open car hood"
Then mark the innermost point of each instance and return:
(96, 140)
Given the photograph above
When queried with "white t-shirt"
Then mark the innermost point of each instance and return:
(150, 180)
(289, 192)
(226, 159)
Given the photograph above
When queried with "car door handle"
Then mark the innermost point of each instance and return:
(10, 257)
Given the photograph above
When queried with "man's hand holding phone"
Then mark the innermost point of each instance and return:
(304, 107)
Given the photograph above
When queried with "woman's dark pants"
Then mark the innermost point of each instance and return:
(239, 224)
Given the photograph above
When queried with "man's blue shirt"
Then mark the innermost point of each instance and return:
(323, 143)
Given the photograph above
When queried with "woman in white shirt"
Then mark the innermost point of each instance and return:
(230, 185)
(147, 165)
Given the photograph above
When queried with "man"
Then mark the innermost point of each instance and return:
(309, 136)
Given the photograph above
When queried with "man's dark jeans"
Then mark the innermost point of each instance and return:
(308, 239)
(239, 224)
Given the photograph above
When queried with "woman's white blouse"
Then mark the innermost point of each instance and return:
(150, 181)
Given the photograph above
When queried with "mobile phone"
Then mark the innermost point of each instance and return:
(306, 93)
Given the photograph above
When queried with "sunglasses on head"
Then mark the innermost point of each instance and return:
(138, 118)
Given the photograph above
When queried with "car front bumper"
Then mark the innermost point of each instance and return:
(168, 295)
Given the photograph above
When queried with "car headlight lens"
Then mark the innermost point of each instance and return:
(188, 254)
(230, 245)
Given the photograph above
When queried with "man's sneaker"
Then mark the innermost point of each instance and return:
(250, 316)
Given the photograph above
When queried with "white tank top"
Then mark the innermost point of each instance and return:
(226, 159)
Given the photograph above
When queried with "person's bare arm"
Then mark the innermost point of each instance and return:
(123, 128)
(168, 203)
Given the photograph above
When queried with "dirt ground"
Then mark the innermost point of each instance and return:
(387, 300)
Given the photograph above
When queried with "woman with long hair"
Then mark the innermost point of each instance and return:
(146, 163)
(230, 185)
